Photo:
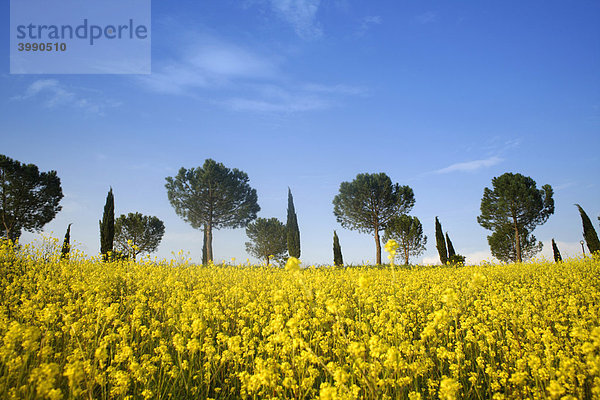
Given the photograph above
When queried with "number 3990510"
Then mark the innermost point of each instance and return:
(42, 46)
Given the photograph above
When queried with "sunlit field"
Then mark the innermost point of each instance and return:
(87, 329)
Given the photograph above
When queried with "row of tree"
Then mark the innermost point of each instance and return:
(372, 204)
(214, 197)
(271, 239)
(127, 236)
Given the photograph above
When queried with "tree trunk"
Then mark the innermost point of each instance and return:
(378, 246)
(518, 243)
(208, 235)
(204, 259)
(406, 256)
(7, 231)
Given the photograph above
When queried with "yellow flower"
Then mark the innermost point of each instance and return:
(414, 396)
(448, 389)
(391, 247)
(555, 389)
(292, 264)
(87, 327)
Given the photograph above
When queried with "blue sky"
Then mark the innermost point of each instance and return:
(442, 96)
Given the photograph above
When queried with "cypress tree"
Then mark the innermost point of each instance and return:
(451, 251)
(293, 233)
(440, 242)
(66, 247)
(337, 251)
(557, 257)
(589, 233)
(453, 258)
(107, 226)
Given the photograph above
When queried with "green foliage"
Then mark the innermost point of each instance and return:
(143, 231)
(555, 252)
(293, 232)
(453, 258)
(212, 197)
(338, 260)
(107, 226)
(456, 259)
(28, 199)
(407, 231)
(451, 251)
(268, 238)
(369, 202)
(66, 247)
(440, 242)
(503, 244)
(589, 233)
(117, 255)
(515, 203)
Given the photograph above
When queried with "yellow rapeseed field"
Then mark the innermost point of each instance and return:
(85, 329)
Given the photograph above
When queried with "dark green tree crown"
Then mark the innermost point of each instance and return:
(407, 231)
(589, 233)
(107, 225)
(213, 194)
(440, 242)
(338, 259)
(515, 196)
(371, 199)
(144, 231)
(293, 232)
(503, 244)
(267, 238)
(29, 199)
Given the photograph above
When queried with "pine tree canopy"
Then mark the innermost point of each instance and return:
(515, 203)
(29, 199)
(369, 202)
(212, 197)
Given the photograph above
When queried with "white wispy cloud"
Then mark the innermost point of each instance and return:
(427, 18)
(290, 105)
(500, 145)
(301, 15)
(54, 94)
(470, 166)
(367, 22)
(240, 79)
(335, 89)
(275, 98)
(565, 185)
(210, 63)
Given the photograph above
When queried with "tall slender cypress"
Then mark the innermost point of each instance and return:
(440, 242)
(557, 257)
(107, 226)
(338, 260)
(451, 251)
(293, 233)
(66, 247)
(589, 233)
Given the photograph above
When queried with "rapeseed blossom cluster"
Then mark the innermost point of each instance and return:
(391, 247)
(81, 328)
